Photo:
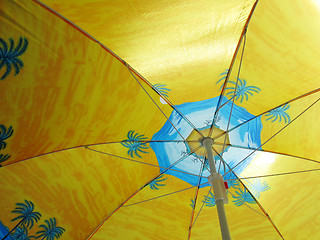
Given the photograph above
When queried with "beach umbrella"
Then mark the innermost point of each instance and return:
(139, 119)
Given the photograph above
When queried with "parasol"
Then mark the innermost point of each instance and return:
(106, 108)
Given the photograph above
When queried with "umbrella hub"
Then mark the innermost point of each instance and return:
(206, 140)
(219, 140)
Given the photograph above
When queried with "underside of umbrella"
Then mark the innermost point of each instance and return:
(139, 119)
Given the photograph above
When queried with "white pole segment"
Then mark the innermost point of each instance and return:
(218, 189)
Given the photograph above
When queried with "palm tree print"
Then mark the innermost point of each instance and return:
(223, 76)
(50, 230)
(26, 215)
(4, 158)
(156, 183)
(136, 143)
(9, 55)
(241, 89)
(258, 186)
(4, 134)
(193, 204)
(279, 114)
(209, 200)
(21, 234)
(208, 123)
(161, 88)
(242, 196)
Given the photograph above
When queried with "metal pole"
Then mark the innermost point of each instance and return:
(218, 188)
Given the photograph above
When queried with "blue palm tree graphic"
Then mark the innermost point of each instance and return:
(21, 234)
(258, 186)
(26, 215)
(209, 200)
(4, 134)
(156, 183)
(50, 230)
(279, 114)
(223, 76)
(193, 203)
(161, 88)
(135, 143)
(242, 90)
(242, 196)
(9, 55)
(4, 158)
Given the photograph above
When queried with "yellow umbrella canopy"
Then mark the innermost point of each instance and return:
(104, 105)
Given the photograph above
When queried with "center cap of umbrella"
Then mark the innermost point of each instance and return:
(219, 140)
(206, 140)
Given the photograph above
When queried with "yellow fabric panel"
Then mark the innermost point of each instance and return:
(71, 91)
(151, 219)
(291, 133)
(291, 199)
(78, 187)
(297, 137)
(179, 44)
(245, 221)
(281, 53)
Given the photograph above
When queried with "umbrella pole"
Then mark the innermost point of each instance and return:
(219, 190)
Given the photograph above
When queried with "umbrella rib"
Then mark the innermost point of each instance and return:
(127, 65)
(262, 209)
(234, 95)
(203, 203)
(276, 174)
(225, 164)
(131, 70)
(164, 195)
(132, 195)
(254, 198)
(200, 158)
(221, 159)
(268, 151)
(149, 164)
(290, 101)
(176, 109)
(249, 206)
(94, 144)
(195, 199)
(231, 66)
(273, 135)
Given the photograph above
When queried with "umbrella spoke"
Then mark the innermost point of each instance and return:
(132, 195)
(273, 135)
(159, 106)
(276, 174)
(177, 110)
(195, 199)
(243, 34)
(233, 98)
(135, 141)
(281, 105)
(203, 203)
(254, 198)
(221, 161)
(274, 152)
(249, 206)
(164, 195)
(96, 144)
(149, 164)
